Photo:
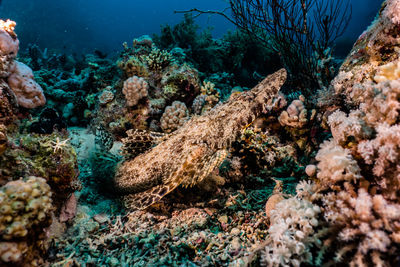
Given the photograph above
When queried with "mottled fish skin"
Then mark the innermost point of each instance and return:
(190, 153)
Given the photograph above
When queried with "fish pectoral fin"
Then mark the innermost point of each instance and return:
(145, 199)
(214, 162)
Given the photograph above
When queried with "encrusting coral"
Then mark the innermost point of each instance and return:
(191, 153)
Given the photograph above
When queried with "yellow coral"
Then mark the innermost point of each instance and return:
(390, 71)
(23, 204)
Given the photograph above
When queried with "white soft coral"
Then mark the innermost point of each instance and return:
(336, 164)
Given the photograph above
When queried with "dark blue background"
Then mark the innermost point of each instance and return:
(84, 25)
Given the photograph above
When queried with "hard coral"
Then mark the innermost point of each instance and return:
(192, 152)
(174, 116)
(25, 208)
(133, 66)
(180, 83)
(295, 115)
(24, 204)
(7, 104)
(106, 96)
(158, 59)
(46, 156)
(356, 186)
(29, 94)
(135, 88)
(9, 46)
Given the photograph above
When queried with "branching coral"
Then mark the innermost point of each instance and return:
(336, 165)
(212, 95)
(295, 115)
(133, 66)
(158, 59)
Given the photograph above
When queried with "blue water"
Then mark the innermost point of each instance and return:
(84, 25)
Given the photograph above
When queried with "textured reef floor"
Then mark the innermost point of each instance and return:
(173, 154)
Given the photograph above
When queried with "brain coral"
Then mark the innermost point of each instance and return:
(135, 88)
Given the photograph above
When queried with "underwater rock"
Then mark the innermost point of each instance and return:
(48, 121)
(7, 104)
(191, 153)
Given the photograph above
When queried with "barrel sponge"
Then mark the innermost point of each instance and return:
(135, 88)
(23, 205)
(29, 94)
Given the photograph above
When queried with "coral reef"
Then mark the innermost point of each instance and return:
(171, 160)
(355, 185)
(48, 156)
(9, 46)
(198, 147)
